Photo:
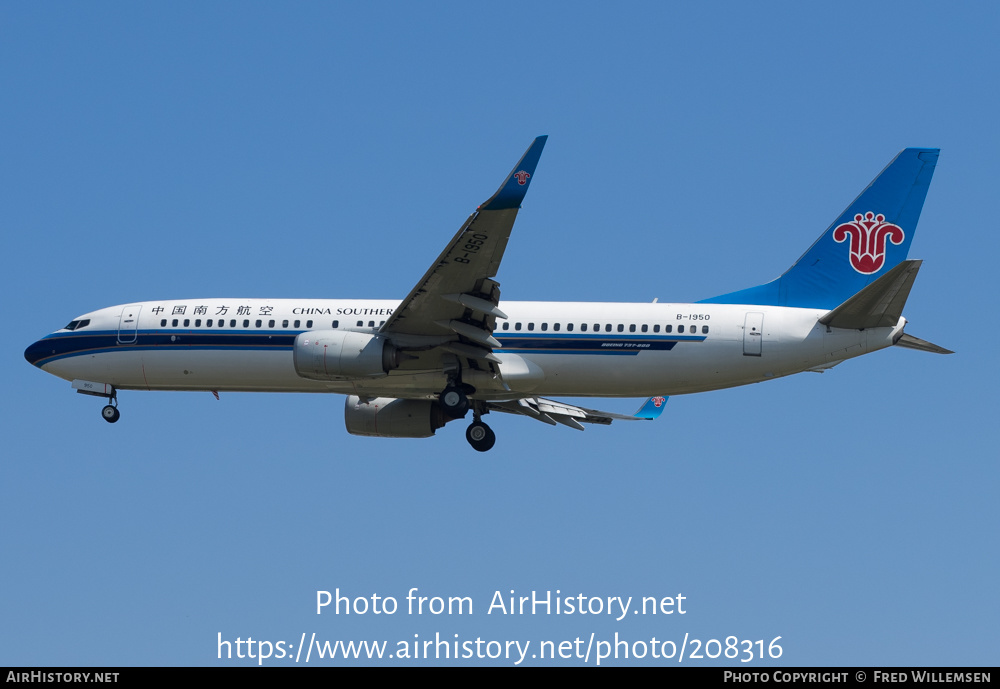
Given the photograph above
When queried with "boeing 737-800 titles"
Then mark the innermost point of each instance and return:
(409, 367)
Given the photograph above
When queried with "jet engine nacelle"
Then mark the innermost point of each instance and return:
(342, 354)
(386, 417)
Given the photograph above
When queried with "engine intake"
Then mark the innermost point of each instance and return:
(386, 417)
(342, 354)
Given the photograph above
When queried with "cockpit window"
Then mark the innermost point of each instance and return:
(76, 325)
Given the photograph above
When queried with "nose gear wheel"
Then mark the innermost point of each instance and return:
(110, 413)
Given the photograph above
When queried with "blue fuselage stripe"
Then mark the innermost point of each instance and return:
(63, 345)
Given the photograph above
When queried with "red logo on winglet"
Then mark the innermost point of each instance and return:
(522, 177)
(870, 235)
(658, 401)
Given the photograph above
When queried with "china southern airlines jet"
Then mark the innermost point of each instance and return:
(409, 367)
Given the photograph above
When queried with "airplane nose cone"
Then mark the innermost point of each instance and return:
(38, 351)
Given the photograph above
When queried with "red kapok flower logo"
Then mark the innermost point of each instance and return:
(869, 235)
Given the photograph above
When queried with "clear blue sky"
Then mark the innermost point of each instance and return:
(169, 150)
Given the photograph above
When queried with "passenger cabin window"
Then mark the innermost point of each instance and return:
(645, 328)
(517, 326)
(569, 327)
(296, 324)
(187, 322)
(284, 323)
(309, 324)
(631, 328)
(232, 322)
(246, 322)
(704, 330)
(360, 323)
(668, 328)
(680, 328)
(555, 326)
(174, 323)
(583, 327)
(656, 328)
(259, 323)
(621, 327)
(163, 324)
(607, 328)
(545, 326)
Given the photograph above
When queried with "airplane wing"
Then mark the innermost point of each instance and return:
(552, 412)
(457, 299)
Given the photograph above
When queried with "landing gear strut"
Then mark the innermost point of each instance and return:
(456, 404)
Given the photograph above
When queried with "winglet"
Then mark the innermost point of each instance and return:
(651, 408)
(511, 192)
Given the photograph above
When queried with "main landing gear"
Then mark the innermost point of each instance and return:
(480, 436)
(455, 401)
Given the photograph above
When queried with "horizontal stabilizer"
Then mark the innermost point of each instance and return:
(880, 304)
(911, 342)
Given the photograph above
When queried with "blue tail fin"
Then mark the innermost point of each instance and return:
(870, 237)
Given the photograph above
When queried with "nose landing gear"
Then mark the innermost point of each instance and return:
(110, 411)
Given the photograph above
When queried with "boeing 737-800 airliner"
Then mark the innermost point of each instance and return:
(409, 367)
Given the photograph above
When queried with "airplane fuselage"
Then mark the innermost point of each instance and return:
(574, 349)
(451, 347)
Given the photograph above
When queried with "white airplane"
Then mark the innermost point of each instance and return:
(409, 367)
